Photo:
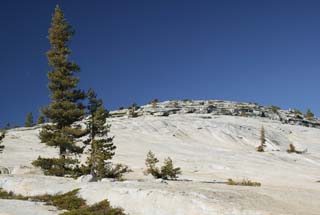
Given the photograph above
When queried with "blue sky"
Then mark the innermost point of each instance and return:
(265, 51)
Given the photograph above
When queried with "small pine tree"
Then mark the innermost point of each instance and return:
(2, 136)
(262, 140)
(168, 171)
(29, 120)
(102, 147)
(41, 120)
(151, 162)
(309, 115)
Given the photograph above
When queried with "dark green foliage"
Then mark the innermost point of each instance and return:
(58, 166)
(101, 208)
(10, 195)
(115, 170)
(151, 164)
(2, 136)
(167, 171)
(29, 120)
(262, 140)
(102, 147)
(41, 120)
(65, 107)
(68, 201)
(309, 115)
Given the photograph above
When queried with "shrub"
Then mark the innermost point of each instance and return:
(101, 208)
(262, 145)
(292, 149)
(274, 108)
(58, 166)
(154, 103)
(116, 171)
(68, 201)
(167, 171)
(151, 162)
(244, 182)
(10, 195)
(309, 115)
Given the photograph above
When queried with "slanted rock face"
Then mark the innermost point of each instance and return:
(218, 107)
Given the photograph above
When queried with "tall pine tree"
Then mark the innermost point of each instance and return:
(65, 108)
(102, 147)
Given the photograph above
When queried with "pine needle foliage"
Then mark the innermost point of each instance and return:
(102, 147)
(65, 108)
(167, 171)
(41, 120)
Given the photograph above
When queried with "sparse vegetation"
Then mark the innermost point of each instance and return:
(58, 166)
(309, 115)
(29, 120)
(167, 171)
(41, 120)
(292, 149)
(132, 110)
(2, 136)
(68, 201)
(154, 103)
(262, 145)
(244, 182)
(274, 109)
(101, 208)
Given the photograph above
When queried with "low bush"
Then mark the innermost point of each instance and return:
(68, 201)
(10, 195)
(244, 182)
(101, 208)
(58, 166)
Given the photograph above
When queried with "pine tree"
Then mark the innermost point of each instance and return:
(151, 162)
(29, 120)
(262, 140)
(168, 171)
(309, 115)
(102, 147)
(41, 120)
(65, 108)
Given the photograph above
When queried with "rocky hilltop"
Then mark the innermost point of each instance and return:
(219, 107)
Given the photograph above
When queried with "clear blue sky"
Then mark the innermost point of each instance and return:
(265, 51)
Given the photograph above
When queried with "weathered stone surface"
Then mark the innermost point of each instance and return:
(219, 107)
